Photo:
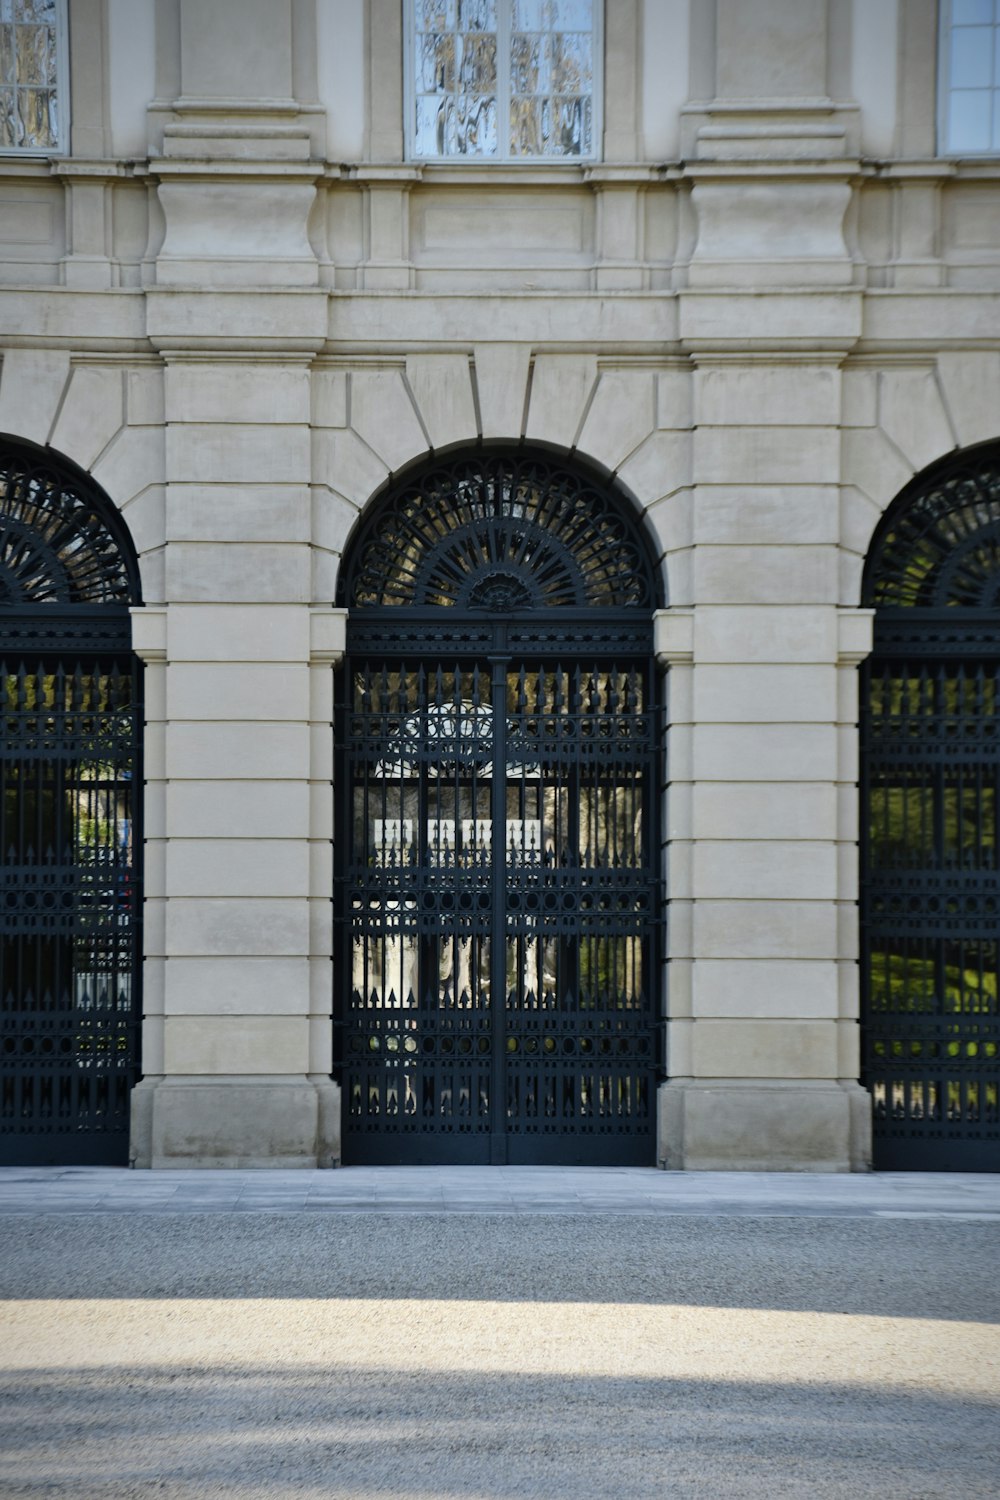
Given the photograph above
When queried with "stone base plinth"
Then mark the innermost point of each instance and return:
(763, 1126)
(236, 1122)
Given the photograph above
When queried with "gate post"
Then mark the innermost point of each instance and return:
(229, 1052)
(762, 1025)
(327, 640)
(854, 644)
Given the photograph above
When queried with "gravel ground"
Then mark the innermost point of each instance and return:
(498, 1356)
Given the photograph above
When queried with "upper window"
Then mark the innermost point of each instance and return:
(970, 58)
(32, 75)
(502, 80)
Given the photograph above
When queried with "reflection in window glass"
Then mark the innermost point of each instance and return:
(29, 75)
(971, 12)
(503, 79)
(971, 75)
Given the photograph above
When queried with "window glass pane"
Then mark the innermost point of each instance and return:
(32, 53)
(971, 12)
(552, 15)
(8, 131)
(477, 69)
(529, 64)
(454, 125)
(464, 49)
(436, 15)
(971, 57)
(996, 120)
(528, 15)
(568, 132)
(436, 63)
(477, 15)
(572, 69)
(455, 77)
(552, 66)
(525, 127)
(43, 11)
(969, 120)
(28, 60)
(38, 117)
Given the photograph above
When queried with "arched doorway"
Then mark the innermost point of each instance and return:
(498, 890)
(930, 886)
(70, 838)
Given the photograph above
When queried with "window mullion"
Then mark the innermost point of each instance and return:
(503, 79)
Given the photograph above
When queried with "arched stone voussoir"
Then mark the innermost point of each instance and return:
(851, 569)
(501, 372)
(913, 416)
(859, 515)
(970, 386)
(145, 517)
(134, 460)
(91, 415)
(670, 520)
(561, 389)
(383, 416)
(32, 385)
(333, 517)
(660, 466)
(621, 416)
(873, 464)
(441, 385)
(344, 462)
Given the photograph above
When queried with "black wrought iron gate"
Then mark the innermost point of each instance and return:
(500, 910)
(930, 819)
(70, 809)
(498, 899)
(68, 930)
(931, 905)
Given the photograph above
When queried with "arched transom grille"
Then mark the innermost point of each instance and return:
(942, 549)
(500, 532)
(55, 546)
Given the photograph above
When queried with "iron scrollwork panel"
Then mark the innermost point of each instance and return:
(69, 903)
(931, 909)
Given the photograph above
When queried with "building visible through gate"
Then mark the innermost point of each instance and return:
(70, 841)
(931, 823)
(499, 896)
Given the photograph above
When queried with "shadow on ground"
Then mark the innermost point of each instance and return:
(359, 1432)
(890, 1268)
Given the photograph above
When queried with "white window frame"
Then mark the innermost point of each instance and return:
(503, 158)
(61, 147)
(944, 148)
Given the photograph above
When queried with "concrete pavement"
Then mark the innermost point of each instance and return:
(517, 1333)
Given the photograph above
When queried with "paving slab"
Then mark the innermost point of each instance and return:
(522, 1190)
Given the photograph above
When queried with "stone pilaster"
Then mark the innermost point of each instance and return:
(755, 1043)
(234, 924)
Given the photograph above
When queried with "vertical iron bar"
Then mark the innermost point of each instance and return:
(498, 947)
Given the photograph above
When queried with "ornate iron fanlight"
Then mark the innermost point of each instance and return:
(57, 547)
(500, 532)
(941, 546)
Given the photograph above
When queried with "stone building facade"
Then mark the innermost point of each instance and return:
(757, 304)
